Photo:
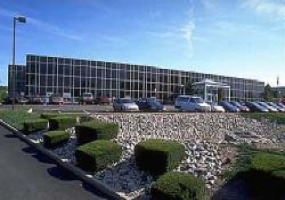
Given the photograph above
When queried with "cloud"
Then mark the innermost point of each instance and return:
(271, 7)
(188, 28)
(54, 29)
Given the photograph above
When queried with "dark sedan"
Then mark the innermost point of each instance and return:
(255, 107)
(229, 107)
(150, 105)
(239, 106)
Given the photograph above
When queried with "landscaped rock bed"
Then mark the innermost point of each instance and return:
(206, 137)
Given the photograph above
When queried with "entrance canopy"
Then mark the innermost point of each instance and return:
(210, 89)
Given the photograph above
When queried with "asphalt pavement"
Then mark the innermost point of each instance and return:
(25, 174)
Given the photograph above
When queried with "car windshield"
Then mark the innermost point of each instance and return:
(183, 99)
(235, 103)
(263, 104)
(126, 101)
(87, 95)
(154, 103)
(213, 103)
(198, 99)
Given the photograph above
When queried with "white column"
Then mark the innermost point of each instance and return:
(205, 92)
(229, 97)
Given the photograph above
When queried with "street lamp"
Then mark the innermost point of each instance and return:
(20, 19)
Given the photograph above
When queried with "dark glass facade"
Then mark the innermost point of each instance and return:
(75, 76)
(16, 79)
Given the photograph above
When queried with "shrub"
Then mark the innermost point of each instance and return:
(97, 155)
(85, 118)
(176, 186)
(62, 122)
(34, 125)
(53, 139)
(268, 162)
(159, 156)
(95, 130)
(49, 115)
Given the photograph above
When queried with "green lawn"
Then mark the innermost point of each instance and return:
(16, 117)
(273, 117)
(263, 172)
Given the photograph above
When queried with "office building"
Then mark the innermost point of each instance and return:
(46, 75)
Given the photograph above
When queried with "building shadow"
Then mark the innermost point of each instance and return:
(252, 185)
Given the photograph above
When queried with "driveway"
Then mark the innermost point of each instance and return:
(25, 174)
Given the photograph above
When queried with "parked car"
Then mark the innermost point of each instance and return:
(268, 107)
(191, 103)
(281, 105)
(215, 107)
(87, 98)
(150, 105)
(229, 107)
(239, 106)
(103, 100)
(21, 100)
(56, 99)
(35, 99)
(255, 107)
(279, 108)
(125, 104)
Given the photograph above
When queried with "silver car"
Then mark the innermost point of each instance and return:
(124, 104)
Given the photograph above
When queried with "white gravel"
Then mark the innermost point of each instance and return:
(201, 134)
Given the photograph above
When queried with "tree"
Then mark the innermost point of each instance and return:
(3, 93)
(269, 94)
(190, 89)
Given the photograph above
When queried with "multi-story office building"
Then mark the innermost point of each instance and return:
(45, 75)
(16, 79)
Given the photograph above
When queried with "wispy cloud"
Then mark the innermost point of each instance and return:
(44, 26)
(54, 29)
(188, 28)
(272, 7)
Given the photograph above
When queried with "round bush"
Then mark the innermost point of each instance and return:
(178, 186)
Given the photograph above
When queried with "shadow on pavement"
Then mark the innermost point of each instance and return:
(61, 173)
(36, 154)
(10, 136)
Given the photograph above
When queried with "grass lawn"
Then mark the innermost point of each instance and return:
(263, 172)
(16, 117)
(273, 117)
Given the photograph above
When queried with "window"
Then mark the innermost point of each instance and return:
(43, 59)
(108, 73)
(43, 69)
(49, 68)
(60, 69)
(77, 70)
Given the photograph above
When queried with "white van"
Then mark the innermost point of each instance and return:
(191, 103)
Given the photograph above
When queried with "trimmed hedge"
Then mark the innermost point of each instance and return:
(49, 115)
(34, 125)
(85, 118)
(94, 130)
(53, 139)
(268, 162)
(97, 155)
(178, 186)
(159, 156)
(62, 122)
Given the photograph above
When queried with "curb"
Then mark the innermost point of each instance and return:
(83, 176)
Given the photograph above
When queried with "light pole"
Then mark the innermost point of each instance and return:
(20, 19)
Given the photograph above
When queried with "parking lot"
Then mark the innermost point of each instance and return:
(71, 108)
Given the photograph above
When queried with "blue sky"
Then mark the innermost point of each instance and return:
(243, 38)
